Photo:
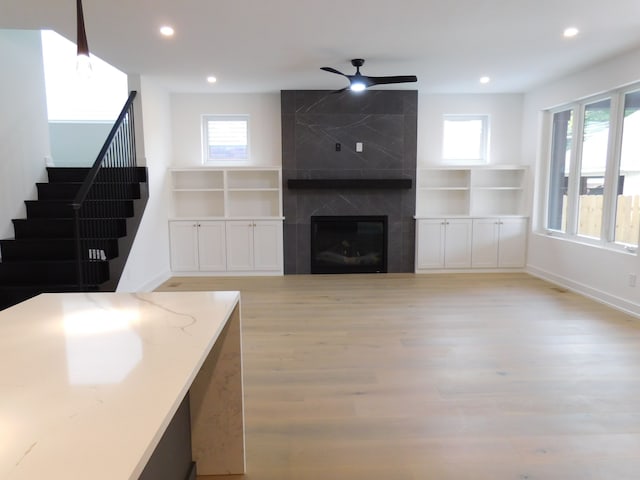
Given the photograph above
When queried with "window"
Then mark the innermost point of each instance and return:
(593, 190)
(465, 138)
(225, 138)
(561, 149)
(593, 164)
(627, 221)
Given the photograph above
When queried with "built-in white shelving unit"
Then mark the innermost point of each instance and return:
(226, 220)
(471, 217)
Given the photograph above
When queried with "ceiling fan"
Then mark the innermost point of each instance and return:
(359, 82)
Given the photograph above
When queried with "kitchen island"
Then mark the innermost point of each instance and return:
(94, 383)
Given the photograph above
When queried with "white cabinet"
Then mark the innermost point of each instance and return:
(254, 245)
(443, 243)
(197, 245)
(499, 242)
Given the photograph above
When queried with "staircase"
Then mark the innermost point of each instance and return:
(42, 256)
(78, 233)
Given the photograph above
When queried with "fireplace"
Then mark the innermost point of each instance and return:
(348, 244)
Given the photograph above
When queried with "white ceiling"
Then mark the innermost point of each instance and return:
(267, 46)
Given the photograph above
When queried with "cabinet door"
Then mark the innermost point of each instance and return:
(183, 241)
(211, 246)
(484, 246)
(267, 245)
(513, 242)
(239, 235)
(430, 243)
(457, 249)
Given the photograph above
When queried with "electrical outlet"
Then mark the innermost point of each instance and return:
(359, 147)
(632, 279)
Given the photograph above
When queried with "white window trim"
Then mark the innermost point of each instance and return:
(484, 146)
(205, 139)
(607, 237)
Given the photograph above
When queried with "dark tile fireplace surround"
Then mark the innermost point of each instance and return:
(323, 175)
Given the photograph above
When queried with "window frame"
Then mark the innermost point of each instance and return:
(573, 108)
(484, 140)
(611, 173)
(204, 127)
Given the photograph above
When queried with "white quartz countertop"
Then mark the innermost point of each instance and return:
(89, 381)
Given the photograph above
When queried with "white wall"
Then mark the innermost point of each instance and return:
(148, 263)
(505, 117)
(594, 271)
(24, 134)
(77, 144)
(265, 138)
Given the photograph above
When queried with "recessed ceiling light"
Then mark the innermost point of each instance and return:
(484, 80)
(167, 31)
(570, 32)
(212, 79)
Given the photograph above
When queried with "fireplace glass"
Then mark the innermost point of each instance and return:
(348, 244)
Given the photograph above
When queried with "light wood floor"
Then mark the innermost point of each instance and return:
(419, 377)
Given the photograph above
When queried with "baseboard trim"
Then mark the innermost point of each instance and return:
(226, 274)
(150, 285)
(592, 293)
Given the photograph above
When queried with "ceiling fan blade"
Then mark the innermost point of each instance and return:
(332, 70)
(341, 90)
(393, 79)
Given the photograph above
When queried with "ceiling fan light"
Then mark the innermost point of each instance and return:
(358, 87)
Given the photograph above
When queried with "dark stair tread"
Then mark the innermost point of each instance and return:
(78, 174)
(93, 208)
(31, 272)
(23, 249)
(65, 228)
(108, 190)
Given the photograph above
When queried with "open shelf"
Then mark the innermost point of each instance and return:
(253, 179)
(198, 204)
(511, 178)
(471, 191)
(442, 178)
(226, 192)
(197, 180)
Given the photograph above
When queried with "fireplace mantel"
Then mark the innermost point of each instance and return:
(349, 183)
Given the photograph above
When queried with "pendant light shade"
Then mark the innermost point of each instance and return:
(83, 65)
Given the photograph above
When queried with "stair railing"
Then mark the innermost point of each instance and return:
(116, 166)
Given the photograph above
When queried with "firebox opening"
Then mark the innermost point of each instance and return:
(349, 244)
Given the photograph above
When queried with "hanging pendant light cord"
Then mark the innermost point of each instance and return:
(83, 46)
